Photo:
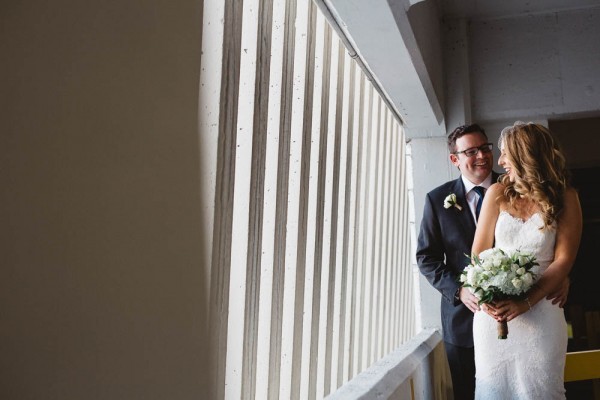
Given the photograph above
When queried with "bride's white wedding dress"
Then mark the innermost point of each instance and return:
(530, 363)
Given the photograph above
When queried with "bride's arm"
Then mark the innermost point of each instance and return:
(486, 225)
(568, 236)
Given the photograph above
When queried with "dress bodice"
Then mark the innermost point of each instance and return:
(513, 233)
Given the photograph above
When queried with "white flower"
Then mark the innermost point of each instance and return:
(487, 264)
(497, 261)
(472, 277)
(487, 253)
(523, 259)
(527, 279)
(521, 271)
(450, 201)
(517, 283)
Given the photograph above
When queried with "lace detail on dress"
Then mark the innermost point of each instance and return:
(530, 363)
(514, 233)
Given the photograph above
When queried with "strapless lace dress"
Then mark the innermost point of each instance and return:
(530, 363)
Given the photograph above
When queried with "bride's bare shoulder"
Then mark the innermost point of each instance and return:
(497, 188)
(497, 191)
(571, 196)
(571, 191)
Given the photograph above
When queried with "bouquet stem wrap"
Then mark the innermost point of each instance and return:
(502, 329)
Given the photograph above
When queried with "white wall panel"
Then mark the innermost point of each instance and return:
(239, 236)
(312, 255)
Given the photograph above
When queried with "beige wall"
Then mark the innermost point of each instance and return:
(101, 278)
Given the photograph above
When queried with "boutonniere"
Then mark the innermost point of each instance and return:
(450, 201)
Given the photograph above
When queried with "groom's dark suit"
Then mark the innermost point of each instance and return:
(445, 239)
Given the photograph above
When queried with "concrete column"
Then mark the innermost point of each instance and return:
(431, 167)
(458, 81)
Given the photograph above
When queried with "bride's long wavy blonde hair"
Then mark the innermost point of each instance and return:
(539, 168)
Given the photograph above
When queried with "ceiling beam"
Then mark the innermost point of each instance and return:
(382, 36)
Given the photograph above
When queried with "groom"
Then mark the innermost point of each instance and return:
(446, 236)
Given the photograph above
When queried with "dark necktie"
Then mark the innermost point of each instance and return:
(481, 192)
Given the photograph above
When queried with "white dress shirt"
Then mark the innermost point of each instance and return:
(472, 196)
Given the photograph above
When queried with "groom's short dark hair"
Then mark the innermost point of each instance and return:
(460, 132)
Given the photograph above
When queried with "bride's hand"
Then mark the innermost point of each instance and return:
(508, 309)
(490, 310)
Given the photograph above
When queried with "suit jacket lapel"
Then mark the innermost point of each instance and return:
(465, 216)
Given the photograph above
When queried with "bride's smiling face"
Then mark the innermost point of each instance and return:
(504, 162)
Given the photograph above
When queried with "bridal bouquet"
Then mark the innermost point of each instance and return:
(496, 275)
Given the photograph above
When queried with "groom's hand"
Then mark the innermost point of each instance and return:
(559, 296)
(468, 299)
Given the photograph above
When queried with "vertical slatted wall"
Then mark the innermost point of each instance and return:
(311, 276)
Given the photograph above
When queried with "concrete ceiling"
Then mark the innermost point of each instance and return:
(400, 43)
(484, 9)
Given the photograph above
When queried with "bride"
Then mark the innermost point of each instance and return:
(532, 209)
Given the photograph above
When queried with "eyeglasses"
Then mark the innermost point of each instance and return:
(486, 148)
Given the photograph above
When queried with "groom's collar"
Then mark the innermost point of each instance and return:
(487, 182)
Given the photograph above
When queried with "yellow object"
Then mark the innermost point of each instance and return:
(582, 365)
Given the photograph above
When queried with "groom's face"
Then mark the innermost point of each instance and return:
(477, 167)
